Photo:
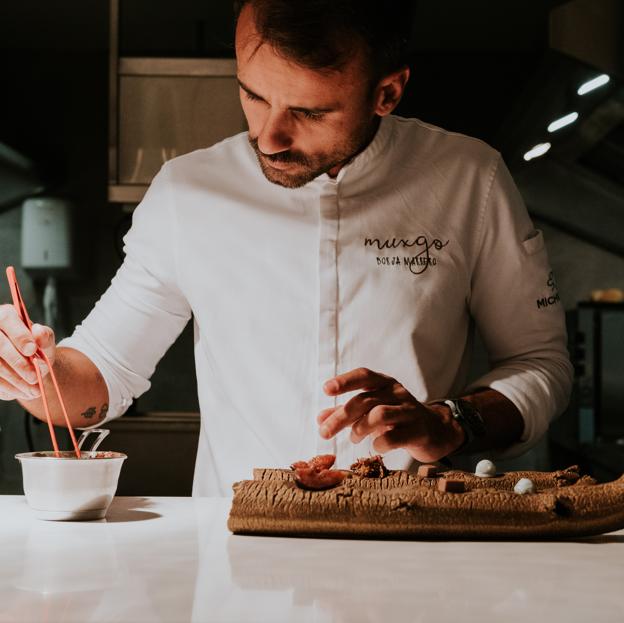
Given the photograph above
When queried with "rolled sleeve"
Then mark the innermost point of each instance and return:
(143, 311)
(516, 307)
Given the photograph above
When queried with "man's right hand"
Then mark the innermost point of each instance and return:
(18, 380)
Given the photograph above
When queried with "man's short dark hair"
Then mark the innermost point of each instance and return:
(321, 34)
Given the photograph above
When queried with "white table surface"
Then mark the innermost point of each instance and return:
(173, 560)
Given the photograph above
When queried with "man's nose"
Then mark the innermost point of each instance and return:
(276, 134)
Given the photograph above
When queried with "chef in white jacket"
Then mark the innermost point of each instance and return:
(335, 261)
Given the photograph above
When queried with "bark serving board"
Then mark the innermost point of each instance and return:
(406, 506)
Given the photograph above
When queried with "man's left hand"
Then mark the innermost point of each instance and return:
(387, 412)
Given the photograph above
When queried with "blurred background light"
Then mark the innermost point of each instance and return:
(562, 122)
(537, 151)
(595, 83)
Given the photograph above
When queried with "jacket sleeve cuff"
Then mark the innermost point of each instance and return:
(532, 395)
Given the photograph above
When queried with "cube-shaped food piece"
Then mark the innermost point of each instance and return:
(451, 486)
(427, 471)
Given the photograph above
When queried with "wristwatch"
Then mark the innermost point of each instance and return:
(468, 418)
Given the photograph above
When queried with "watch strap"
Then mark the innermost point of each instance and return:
(458, 417)
(468, 417)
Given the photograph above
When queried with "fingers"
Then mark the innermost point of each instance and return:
(13, 386)
(14, 362)
(16, 331)
(398, 437)
(45, 340)
(324, 414)
(385, 406)
(360, 378)
(349, 413)
(379, 417)
(18, 379)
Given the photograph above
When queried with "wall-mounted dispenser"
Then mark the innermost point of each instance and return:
(47, 246)
(46, 234)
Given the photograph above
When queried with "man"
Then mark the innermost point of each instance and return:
(335, 260)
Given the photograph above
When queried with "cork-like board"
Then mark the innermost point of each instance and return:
(407, 506)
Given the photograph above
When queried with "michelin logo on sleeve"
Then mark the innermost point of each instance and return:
(546, 301)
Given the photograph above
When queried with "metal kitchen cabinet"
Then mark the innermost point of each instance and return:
(162, 107)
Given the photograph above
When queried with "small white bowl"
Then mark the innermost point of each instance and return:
(66, 488)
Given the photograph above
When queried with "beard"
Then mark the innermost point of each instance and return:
(303, 168)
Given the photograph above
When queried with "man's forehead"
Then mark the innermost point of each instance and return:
(275, 79)
(247, 38)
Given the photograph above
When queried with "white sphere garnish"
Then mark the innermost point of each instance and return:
(524, 485)
(485, 469)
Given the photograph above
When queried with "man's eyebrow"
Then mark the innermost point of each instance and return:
(243, 86)
(303, 109)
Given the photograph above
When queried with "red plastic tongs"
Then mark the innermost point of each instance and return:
(39, 355)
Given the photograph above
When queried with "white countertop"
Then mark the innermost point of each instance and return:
(173, 560)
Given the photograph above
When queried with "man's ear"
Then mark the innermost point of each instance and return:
(389, 91)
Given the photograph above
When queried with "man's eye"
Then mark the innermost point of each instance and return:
(313, 116)
(252, 97)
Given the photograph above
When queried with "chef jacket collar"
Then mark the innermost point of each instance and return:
(358, 165)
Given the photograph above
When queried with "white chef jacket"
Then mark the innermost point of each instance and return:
(388, 266)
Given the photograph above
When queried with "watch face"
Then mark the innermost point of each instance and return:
(472, 418)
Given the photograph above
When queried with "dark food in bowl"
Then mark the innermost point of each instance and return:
(69, 454)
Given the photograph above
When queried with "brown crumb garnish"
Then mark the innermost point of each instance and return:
(371, 467)
(567, 476)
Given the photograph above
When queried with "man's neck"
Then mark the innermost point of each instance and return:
(333, 172)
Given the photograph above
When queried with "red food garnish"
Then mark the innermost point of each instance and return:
(315, 480)
(316, 474)
(322, 461)
(299, 465)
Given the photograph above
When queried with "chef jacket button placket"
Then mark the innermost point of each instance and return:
(328, 300)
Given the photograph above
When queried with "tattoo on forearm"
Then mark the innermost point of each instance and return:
(89, 413)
